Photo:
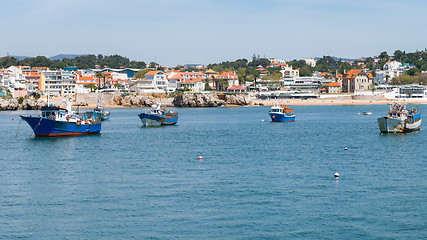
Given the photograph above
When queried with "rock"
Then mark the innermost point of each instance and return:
(134, 101)
(197, 100)
(27, 104)
(238, 99)
(11, 104)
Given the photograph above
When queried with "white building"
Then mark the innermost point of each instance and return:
(310, 61)
(58, 82)
(154, 82)
(407, 91)
(288, 71)
(390, 70)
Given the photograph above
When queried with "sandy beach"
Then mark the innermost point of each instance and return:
(90, 101)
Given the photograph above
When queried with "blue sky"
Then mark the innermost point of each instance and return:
(210, 31)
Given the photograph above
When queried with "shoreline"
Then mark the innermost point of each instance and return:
(293, 102)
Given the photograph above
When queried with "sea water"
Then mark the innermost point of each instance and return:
(256, 179)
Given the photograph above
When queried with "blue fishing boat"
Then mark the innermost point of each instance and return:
(281, 113)
(61, 122)
(158, 117)
(400, 119)
(105, 115)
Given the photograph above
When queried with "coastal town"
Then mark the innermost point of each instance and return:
(261, 80)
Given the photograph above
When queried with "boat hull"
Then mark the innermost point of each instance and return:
(391, 125)
(45, 127)
(277, 117)
(156, 120)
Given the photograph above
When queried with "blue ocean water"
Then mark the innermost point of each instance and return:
(257, 179)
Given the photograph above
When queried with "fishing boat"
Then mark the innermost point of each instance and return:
(400, 120)
(158, 116)
(105, 115)
(281, 113)
(62, 122)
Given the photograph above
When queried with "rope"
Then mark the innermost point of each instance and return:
(17, 130)
(38, 124)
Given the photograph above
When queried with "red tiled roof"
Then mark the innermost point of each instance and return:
(151, 73)
(352, 73)
(86, 78)
(228, 75)
(237, 88)
(333, 84)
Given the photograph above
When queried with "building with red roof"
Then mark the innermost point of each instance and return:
(356, 80)
(333, 87)
(231, 77)
(236, 89)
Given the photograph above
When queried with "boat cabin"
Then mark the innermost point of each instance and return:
(53, 111)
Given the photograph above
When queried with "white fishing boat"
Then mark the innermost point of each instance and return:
(399, 119)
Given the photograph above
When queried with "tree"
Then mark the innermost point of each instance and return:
(387, 77)
(92, 87)
(223, 84)
(305, 70)
(383, 55)
(373, 88)
(141, 73)
(241, 74)
(118, 85)
(412, 71)
(153, 65)
(398, 55)
(100, 75)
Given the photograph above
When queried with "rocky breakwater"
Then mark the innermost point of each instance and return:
(237, 99)
(208, 100)
(27, 104)
(134, 101)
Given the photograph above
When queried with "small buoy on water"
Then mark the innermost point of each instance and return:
(12, 119)
(346, 149)
(358, 113)
(200, 158)
(262, 120)
(337, 175)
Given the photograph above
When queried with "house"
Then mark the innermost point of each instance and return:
(310, 61)
(390, 70)
(154, 82)
(333, 87)
(231, 78)
(175, 78)
(356, 80)
(325, 75)
(236, 89)
(288, 71)
(195, 85)
(83, 82)
(262, 71)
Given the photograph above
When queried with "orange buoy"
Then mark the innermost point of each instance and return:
(200, 158)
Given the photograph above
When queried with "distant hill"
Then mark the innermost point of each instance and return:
(342, 59)
(69, 56)
(20, 57)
